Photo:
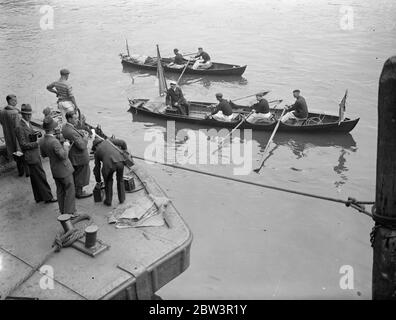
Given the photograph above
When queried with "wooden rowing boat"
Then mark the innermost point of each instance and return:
(316, 122)
(217, 69)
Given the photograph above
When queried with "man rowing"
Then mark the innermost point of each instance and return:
(178, 60)
(261, 111)
(223, 110)
(63, 91)
(297, 111)
(175, 98)
(203, 60)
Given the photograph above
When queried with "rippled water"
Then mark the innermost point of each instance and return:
(286, 44)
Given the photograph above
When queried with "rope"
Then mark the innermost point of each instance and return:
(62, 240)
(351, 202)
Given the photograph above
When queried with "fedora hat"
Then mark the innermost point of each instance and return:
(26, 109)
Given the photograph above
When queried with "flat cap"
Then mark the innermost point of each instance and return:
(219, 95)
(49, 123)
(64, 71)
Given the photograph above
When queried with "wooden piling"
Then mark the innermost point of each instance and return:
(384, 233)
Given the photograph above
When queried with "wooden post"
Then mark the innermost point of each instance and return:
(384, 241)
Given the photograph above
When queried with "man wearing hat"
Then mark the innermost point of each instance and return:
(9, 119)
(178, 61)
(78, 154)
(61, 167)
(223, 110)
(297, 111)
(175, 98)
(63, 91)
(261, 112)
(27, 138)
(202, 60)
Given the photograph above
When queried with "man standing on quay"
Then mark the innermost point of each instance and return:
(78, 154)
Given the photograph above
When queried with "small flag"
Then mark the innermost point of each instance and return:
(342, 108)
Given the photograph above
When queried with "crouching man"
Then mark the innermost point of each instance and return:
(113, 161)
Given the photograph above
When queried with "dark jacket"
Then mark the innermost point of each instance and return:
(204, 56)
(179, 59)
(261, 106)
(224, 106)
(78, 153)
(61, 166)
(300, 108)
(173, 96)
(9, 119)
(108, 155)
(28, 143)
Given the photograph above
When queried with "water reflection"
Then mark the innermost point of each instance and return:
(298, 144)
(187, 79)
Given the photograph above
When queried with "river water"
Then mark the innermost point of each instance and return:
(287, 45)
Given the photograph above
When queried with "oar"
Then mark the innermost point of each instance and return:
(264, 92)
(189, 54)
(204, 105)
(269, 141)
(183, 71)
(244, 118)
(242, 121)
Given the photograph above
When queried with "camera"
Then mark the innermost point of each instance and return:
(34, 136)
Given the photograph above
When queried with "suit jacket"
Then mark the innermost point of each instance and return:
(29, 148)
(109, 156)
(9, 119)
(173, 96)
(61, 166)
(78, 153)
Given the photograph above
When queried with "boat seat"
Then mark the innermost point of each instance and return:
(172, 110)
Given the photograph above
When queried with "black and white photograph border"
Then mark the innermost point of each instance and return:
(197, 150)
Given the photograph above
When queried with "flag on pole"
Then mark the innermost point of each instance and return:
(161, 76)
(342, 108)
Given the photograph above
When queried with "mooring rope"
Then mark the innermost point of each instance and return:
(351, 202)
(62, 240)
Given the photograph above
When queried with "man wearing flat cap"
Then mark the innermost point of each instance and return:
(178, 60)
(297, 112)
(61, 167)
(223, 110)
(63, 91)
(27, 138)
(261, 111)
(175, 98)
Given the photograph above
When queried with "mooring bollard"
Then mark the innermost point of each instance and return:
(65, 221)
(384, 233)
(90, 235)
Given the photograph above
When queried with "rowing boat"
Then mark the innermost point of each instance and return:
(217, 69)
(316, 122)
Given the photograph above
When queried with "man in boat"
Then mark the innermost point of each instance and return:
(175, 98)
(178, 61)
(63, 91)
(261, 111)
(297, 111)
(223, 110)
(202, 60)
(27, 138)
(113, 161)
(9, 119)
(78, 154)
(61, 167)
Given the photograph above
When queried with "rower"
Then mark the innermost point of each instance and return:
(178, 61)
(223, 110)
(297, 112)
(203, 60)
(261, 112)
(175, 98)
